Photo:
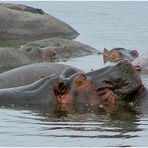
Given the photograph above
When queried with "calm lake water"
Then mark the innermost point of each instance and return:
(100, 24)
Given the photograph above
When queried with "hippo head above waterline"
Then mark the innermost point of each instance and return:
(116, 54)
(109, 84)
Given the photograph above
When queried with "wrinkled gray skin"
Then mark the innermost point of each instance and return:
(39, 92)
(30, 73)
(122, 77)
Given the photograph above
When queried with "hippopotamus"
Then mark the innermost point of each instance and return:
(46, 50)
(116, 54)
(20, 24)
(109, 84)
(28, 74)
(11, 58)
(56, 49)
(39, 92)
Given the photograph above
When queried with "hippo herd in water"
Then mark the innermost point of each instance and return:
(35, 81)
(52, 83)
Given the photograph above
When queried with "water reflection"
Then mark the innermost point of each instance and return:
(76, 122)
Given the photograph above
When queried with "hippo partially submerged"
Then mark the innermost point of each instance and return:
(47, 50)
(28, 74)
(20, 23)
(112, 83)
(56, 49)
(116, 54)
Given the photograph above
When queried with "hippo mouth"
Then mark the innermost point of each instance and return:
(108, 92)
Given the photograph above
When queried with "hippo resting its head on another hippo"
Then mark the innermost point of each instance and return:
(116, 54)
(108, 84)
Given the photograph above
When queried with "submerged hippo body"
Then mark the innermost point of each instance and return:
(30, 73)
(116, 54)
(46, 50)
(20, 23)
(12, 58)
(56, 49)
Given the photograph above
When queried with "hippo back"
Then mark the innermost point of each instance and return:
(27, 74)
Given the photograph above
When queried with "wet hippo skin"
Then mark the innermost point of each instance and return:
(117, 54)
(109, 84)
(28, 74)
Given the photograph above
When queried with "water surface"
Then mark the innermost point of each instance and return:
(100, 24)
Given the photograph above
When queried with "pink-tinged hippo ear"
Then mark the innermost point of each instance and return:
(105, 55)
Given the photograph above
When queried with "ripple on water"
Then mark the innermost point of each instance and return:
(78, 128)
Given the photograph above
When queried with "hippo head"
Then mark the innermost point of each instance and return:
(116, 54)
(39, 54)
(120, 78)
(76, 89)
(117, 82)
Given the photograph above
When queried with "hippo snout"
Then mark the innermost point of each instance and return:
(126, 80)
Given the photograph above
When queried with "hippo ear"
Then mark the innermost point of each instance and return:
(79, 79)
(105, 55)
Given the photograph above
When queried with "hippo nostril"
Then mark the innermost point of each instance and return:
(61, 88)
(137, 68)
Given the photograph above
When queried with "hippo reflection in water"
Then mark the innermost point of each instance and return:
(119, 81)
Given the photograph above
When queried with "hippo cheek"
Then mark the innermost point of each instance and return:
(106, 93)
